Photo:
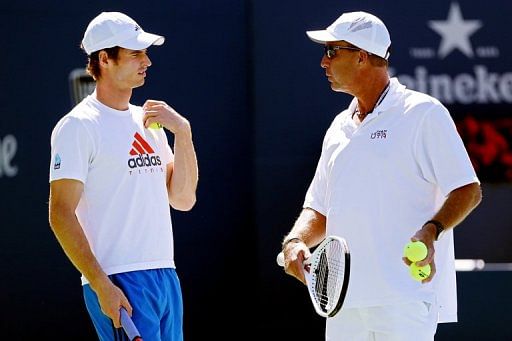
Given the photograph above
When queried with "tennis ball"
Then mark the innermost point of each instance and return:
(155, 125)
(419, 273)
(415, 251)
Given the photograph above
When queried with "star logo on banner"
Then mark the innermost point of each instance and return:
(455, 32)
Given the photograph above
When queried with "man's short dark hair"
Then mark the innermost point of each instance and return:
(93, 63)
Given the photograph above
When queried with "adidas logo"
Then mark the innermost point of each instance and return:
(142, 152)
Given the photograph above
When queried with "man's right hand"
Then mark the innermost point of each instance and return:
(294, 255)
(111, 298)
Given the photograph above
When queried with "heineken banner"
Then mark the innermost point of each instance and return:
(466, 64)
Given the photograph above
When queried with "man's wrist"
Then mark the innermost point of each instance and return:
(439, 228)
(99, 282)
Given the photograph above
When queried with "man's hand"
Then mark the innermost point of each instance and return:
(161, 112)
(111, 299)
(426, 235)
(295, 253)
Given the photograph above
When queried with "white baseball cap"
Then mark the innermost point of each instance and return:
(111, 29)
(361, 29)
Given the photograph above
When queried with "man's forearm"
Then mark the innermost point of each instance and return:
(183, 182)
(73, 241)
(309, 227)
(457, 206)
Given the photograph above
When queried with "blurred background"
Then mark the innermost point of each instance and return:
(249, 80)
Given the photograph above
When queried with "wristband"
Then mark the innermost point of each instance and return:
(439, 227)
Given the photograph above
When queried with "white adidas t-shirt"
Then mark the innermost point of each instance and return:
(379, 182)
(124, 209)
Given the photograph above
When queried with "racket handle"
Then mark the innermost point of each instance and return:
(129, 326)
(280, 259)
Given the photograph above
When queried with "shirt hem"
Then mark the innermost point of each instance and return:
(460, 183)
(315, 207)
(134, 267)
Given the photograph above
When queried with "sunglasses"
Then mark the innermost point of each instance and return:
(330, 50)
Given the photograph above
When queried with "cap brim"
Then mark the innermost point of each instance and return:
(142, 41)
(321, 36)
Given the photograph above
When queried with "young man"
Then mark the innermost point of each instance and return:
(112, 178)
(392, 169)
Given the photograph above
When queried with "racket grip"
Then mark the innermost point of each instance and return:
(129, 326)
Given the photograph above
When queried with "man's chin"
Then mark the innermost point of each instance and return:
(141, 83)
(335, 88)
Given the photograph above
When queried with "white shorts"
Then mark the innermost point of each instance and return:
(402, 322)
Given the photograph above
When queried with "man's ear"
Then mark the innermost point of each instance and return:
(363, 56)
(103, 58)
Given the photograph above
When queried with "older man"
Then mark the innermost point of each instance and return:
(392, 169)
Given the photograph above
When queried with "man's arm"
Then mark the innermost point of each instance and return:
(64, 197)
(182, 173)
(308, 231)
(457, 206)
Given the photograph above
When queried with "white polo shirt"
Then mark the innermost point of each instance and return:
(379, 182)
(124, 208)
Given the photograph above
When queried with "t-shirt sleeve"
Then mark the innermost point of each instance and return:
(443, 159)
(72, 150)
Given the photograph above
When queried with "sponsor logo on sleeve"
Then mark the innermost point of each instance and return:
(56, 162)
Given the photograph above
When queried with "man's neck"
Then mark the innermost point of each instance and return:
(371, 92)
(113, 97)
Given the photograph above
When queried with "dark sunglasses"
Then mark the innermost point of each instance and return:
(330, 50)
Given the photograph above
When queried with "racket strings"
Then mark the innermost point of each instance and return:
(328, 276)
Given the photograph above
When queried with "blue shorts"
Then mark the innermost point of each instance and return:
(155, 296)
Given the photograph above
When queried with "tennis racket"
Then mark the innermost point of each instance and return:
(327, 274)
(129, 326)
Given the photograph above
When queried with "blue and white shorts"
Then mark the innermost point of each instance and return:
(156, 299)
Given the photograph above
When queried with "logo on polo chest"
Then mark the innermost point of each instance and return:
(379, 134)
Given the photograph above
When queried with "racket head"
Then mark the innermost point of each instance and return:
(327, 274)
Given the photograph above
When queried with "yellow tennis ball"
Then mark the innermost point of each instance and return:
(155, 125)
(419, 273)
(415, 251)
